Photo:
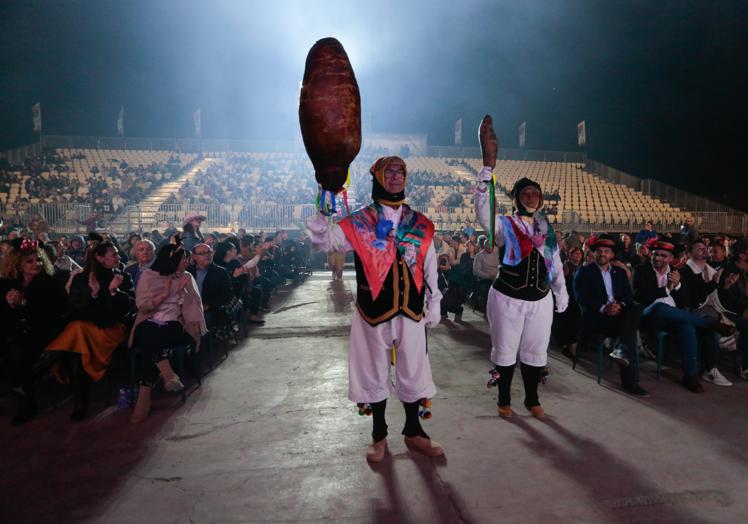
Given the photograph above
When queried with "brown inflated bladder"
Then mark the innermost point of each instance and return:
(489, 143)
(330, 113)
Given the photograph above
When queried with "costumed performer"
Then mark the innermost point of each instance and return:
(397, 298)
(520, 305)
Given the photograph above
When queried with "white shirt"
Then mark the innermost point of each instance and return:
(608, 282)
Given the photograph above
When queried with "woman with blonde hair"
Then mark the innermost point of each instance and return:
(32, 310)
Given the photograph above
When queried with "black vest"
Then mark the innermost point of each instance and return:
(398, 295)
(528, 280)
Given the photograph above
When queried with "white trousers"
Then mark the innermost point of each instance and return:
(370, 356)
(519, 327)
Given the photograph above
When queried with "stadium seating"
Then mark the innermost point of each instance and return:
(441, 187)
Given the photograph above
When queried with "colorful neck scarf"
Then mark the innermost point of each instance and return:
(518, 244)
(411, 239)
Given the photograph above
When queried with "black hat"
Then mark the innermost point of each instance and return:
(522, 183)
(519, 185)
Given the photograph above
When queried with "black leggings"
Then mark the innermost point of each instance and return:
(154, 343)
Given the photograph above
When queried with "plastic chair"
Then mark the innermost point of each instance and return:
(599, 346)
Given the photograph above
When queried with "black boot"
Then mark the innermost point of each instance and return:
(380, 425)
(412, 426)
(506, 373)
(628, 382)
(81, 383)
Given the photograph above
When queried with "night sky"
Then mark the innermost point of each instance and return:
(662, 84)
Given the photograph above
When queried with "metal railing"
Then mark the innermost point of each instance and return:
(254, 217)
(60, 217)
(195, 145)
(536, 155)
(654, 188)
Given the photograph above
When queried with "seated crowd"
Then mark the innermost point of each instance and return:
(67, 305)
(48, 179)
(694, 295)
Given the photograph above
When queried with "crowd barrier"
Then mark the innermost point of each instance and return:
(71, 218)
(60, 217)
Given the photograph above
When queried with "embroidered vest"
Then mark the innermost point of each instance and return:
(527, 280)
(399, 294)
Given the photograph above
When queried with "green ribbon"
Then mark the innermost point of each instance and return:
(492, 200)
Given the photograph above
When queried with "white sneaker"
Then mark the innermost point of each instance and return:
(744, 374)
(716, 378)
(619, 355)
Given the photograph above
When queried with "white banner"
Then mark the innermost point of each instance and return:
(522, 130)
(121, 121)
(581, 134)
(198, 127)
(36, 113)
(458, 132)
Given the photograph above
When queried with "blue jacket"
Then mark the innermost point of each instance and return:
(590, 293)
(644, 235)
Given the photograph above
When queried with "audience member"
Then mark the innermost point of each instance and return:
(608, 309)
(485, 269)
(661, 293)
(77, 250)
(144, 252)
(213, 284)
(701, 280)
(646, 234)
(101, 299)
(733, 298)
(688, 231)
(565, 327)
(642, 256)
(170, 314)
(717, 256)
(627, 250)
(32, 309)
(191, 235)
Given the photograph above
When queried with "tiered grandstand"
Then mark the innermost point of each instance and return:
(79, 168)
(580, 192)
(142, 190)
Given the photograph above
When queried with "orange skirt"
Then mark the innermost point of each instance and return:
(94, 344)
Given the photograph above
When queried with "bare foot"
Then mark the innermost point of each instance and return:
(142, 406)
